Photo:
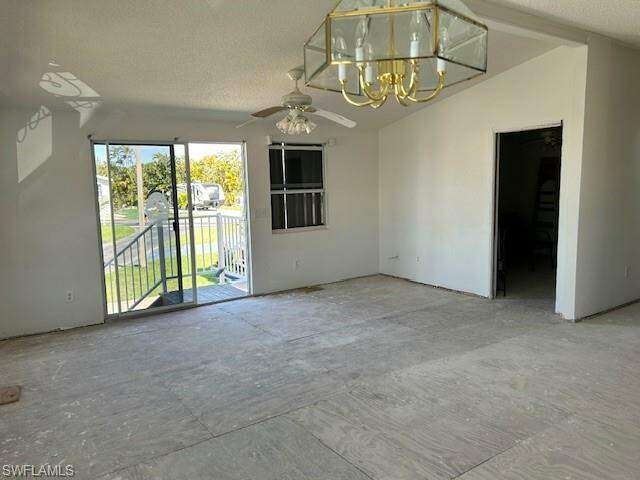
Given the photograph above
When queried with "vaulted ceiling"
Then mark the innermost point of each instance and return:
(224, 56)
(619, 19)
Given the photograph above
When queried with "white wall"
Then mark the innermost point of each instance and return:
(48, 235)
(428, 199)
(437, 175)
(608, 272)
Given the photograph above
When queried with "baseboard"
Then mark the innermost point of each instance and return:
(609, 310)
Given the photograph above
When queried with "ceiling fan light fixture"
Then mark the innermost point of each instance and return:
(295, 123)
(298, 103)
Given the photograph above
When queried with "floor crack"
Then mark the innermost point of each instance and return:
(488, 459)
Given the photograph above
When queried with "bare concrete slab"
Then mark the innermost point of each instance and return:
(372, 378)
(274, 450)
(578, 448)
(101, 431)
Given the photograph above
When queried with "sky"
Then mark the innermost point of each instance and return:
(196, 151)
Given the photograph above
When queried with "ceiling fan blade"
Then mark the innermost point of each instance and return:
(334, 117)
(267, 112)
(251, 120)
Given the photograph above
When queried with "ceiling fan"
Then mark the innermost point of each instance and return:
(298, 104)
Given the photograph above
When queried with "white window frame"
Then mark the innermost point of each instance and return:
(323, 191)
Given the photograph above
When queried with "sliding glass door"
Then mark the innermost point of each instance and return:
(146, 242)
(220, 226)
(173, 224)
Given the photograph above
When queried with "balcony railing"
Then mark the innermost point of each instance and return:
(147, 265)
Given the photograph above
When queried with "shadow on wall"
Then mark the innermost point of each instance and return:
(50, 235)
(34, 141)
(76, 93)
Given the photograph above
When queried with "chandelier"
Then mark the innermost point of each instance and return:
(295, 123)
(368, 50)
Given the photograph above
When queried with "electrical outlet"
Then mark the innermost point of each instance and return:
(417, 259)
(70, 297)
(627, 271)
(297, 264)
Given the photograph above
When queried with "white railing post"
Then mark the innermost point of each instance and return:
(163, 265)
(221, 243)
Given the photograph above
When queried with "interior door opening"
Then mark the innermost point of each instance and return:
(173, 227)
(527, 214)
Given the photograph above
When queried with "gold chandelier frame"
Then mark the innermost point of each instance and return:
(393, 72)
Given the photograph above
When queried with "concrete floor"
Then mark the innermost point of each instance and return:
(373, 378)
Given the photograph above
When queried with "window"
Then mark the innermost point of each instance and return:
(297, 186)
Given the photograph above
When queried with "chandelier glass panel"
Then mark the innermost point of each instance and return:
(369, 50)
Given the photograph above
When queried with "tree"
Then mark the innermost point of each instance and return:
(123, 176)
(156, 175)
(225, 170)
(102, 169)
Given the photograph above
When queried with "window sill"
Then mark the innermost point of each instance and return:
(299, 230)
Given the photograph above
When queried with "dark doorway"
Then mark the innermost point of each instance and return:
(527, 213)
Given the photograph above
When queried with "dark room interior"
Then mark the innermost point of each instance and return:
(528, 204)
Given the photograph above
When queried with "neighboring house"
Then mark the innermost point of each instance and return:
(104, 196)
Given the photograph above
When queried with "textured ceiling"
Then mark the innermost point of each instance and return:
(619, 19)
(225, 57)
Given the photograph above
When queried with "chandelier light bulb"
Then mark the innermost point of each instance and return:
(340, 50)
(369, 69)
(339, 46)
(361, 31)
(444, 39)
(395, 48)
(416, 27)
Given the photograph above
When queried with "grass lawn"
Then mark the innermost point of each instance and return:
(122, 231)
(235, 208)
(203, 232)
(132, 212)
(133, 279)
(203, 236)
(128, 212)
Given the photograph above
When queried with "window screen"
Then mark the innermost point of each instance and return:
(297, 186)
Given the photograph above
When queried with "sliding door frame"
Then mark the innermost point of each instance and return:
(246, 214)
(185, 144)
(153, 143)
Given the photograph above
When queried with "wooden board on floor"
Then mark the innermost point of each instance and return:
(9, 394)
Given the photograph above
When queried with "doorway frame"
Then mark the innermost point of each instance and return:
(152, 143)
(496, 134)
(247, 217)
